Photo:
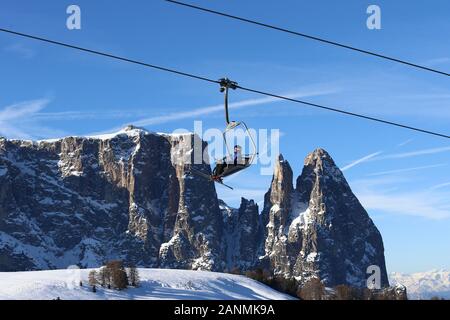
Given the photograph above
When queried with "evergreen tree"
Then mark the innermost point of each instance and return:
(118, 276)
(101, 277)
(119, 279)
(108, 276)
(93, 278)
(133, 276)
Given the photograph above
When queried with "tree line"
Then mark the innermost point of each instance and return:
(314, 289)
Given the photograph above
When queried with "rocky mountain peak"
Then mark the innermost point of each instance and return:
(281, 185)
(320, 163)
(318, 154)
(131, 127)
(325, 232)
(319, 171)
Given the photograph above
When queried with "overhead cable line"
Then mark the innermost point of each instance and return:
(304, 35)
(344, 112)
(193, 76)
(108, 55)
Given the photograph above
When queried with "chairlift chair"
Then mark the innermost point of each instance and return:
(247, 159)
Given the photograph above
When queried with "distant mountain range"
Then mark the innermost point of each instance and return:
(424, 285)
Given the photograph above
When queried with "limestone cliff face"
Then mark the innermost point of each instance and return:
(194, 240)
(83, 200)
(320, 229)
(243, 235)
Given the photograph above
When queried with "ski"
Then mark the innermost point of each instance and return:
(209, 177)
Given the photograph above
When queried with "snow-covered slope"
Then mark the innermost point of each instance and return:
(155, 284)
(424, 285)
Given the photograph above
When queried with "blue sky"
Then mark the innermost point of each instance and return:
(401, 177)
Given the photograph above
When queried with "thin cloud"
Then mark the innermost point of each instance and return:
(427, 96)
(403, 103)
(438, 61)
(148, 120)
(205, 111)
(19, 110)
(376, 155)
(20, 50)
(406, 170)
(383, 194)
(404, 143)
(12, 114)
(411, 204)
(175, 116)
(16, 121)
(80, 115)
(361, 160)
(441, 185)
(412, 153)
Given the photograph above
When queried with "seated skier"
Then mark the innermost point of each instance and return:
(224, 165)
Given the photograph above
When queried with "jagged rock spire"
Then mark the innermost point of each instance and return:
(325, 233)
(281, 186)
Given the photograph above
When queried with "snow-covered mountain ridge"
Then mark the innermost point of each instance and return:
(130, 196)
(424, 285)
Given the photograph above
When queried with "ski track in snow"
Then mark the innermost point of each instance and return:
(156, 284)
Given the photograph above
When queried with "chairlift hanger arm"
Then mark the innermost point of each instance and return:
(225, 84)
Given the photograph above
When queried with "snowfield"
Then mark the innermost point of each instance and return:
(156, 284)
